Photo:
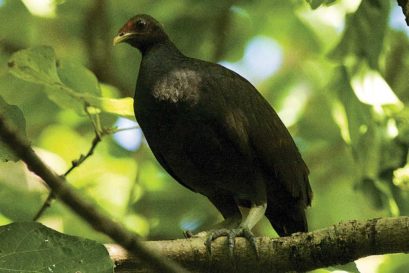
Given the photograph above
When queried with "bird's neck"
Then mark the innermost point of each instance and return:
(165, 47)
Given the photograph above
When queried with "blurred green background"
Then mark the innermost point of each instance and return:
(337, 74)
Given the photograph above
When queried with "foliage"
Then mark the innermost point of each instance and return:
(341, 88)
(68, 85)
(32, 247)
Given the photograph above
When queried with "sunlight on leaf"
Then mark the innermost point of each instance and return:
(401, 178)
(294, 104)
(369, 264)
(42, 8)
(137, 224)
(340, 117)
(371, 88)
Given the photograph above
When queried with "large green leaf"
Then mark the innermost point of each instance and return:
(14, 116)
(36, 65)
(361, 133)
(364, 34)
(68, 85)
(375, 151)
(33, 247)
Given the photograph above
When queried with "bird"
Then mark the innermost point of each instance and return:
(214, 133)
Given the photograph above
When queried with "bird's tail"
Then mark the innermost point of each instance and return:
(287, 220)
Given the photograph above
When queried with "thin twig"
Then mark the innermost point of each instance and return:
(82, 208)
(99, 133)
(97, 139)
(75, 163)
(116, 130)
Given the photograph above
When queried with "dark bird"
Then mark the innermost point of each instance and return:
(214, 133)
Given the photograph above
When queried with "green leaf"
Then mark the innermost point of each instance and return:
(19, 211)
(33, 247)
(358, 115)
(78, 78)
(364, 34)
(35, 65)
(68, 85)
(373, 149)
(13, 115)
(316, 3)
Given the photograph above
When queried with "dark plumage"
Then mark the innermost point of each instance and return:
(214, 133)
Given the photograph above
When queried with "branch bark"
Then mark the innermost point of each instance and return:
(84, 209)
(338, 244)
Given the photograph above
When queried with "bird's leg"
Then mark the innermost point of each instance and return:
(228, 223)
(255, 214)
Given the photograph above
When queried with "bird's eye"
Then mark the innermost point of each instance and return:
(140, 24)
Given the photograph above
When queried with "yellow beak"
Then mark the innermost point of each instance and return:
(121, 37)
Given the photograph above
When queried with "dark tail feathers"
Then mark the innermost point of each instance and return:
(287, 219)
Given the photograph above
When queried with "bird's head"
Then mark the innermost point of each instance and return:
(141, 31)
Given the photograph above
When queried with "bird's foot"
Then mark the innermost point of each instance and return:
(189, 234)
(231, 236)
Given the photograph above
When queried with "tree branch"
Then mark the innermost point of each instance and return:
(222, 27)
(338, 244)
(84, 209)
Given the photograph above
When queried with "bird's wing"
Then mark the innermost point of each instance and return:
(256, 129)
(167, 168)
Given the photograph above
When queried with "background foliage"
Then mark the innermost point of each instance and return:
(336, 72)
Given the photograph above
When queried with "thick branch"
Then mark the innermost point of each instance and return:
(82, 208)
(338, 244)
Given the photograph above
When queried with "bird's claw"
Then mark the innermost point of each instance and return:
(188, 234)
(231, 235)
